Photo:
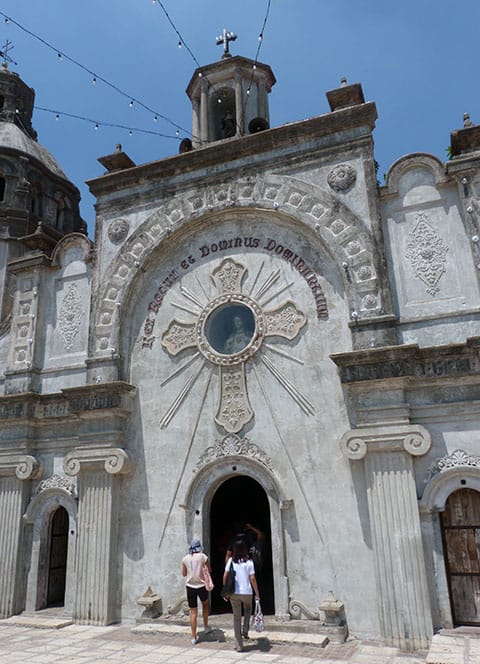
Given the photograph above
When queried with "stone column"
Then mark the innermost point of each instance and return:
(96, 556)
(196, 123)
(403, 598)
(14, 470)
(239, 105)
(204, 111)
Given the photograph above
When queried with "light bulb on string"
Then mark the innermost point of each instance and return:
(7, 20)
(130, 132)
(96, 126)
(94, 80)
(179, 43)
(254, 67)
(131, 103)
(155, 118)
(177, 133)
(59, 55)
(200, 74)
(260, 36)
(248, 91)
(57, 117)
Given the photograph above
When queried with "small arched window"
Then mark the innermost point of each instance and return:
(3, 186)
(2, 101)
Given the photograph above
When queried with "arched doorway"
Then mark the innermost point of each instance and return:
(461, 539)
(57, 566)
(237, 501)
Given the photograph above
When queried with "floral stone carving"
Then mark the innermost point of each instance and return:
(70, 316)
(458, 458)
(118, 230)
(427, 253)
(342, 177)
(233, 445)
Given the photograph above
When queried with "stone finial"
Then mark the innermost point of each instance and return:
(152, 604)
(343, 81)
(333, 609)
(466, 120)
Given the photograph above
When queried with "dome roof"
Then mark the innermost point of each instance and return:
(13, 138)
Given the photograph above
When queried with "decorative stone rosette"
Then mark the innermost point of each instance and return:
(342, 177)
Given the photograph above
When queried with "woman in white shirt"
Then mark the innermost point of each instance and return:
(245, 585)
(192, 565)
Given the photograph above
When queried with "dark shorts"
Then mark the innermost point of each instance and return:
(193, 593)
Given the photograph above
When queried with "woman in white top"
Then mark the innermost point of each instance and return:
(192, 565)
(242, 597)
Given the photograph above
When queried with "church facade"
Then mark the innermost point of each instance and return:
(258, 332)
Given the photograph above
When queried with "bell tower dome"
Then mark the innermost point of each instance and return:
(230, 97)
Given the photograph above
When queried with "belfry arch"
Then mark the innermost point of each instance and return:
(198, 502)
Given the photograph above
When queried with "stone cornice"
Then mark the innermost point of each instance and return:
(70, 402)
(414, 440)
(24, 466)
(297, 137)
(410, 361)
(113, 460)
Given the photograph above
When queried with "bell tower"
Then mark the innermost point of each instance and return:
(229, 97)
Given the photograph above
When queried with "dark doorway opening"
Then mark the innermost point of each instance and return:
(237, 501)
(57, 565)
(461, 540)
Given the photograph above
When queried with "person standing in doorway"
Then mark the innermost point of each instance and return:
(192, 565)
(245, 585)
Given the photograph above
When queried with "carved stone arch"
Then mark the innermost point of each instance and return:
(343, 235)
(198, 500)
(417, 159)
(442, 485)
(451, 473)
(38, 516)
(67, 242)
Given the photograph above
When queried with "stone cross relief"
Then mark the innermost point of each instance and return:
(228, 331)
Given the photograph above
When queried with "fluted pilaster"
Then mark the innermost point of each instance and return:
(98, 470)
(14, 469)
(403, 599)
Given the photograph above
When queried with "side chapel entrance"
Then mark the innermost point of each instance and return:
(461, 538)
(57, 565)
(237, 501)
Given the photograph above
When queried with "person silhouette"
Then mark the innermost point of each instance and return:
(238, 338)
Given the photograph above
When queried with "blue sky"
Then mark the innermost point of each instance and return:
(417, 59)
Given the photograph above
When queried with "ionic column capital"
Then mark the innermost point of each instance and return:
(24, 466)
(112, 460)
(413, 439)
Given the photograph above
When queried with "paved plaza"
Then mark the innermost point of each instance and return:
(44, 638)
(78, 644)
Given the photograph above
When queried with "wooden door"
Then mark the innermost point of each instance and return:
(461, 537)
(58, 558)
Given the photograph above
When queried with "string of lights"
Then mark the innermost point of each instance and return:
(95, 77)
(260, 42)
(101, 123)
(132, 99)
(181, 42)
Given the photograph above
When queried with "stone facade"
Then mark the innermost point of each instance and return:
(259, 332)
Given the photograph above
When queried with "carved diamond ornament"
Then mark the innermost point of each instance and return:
(229, 330)
(427, 253)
